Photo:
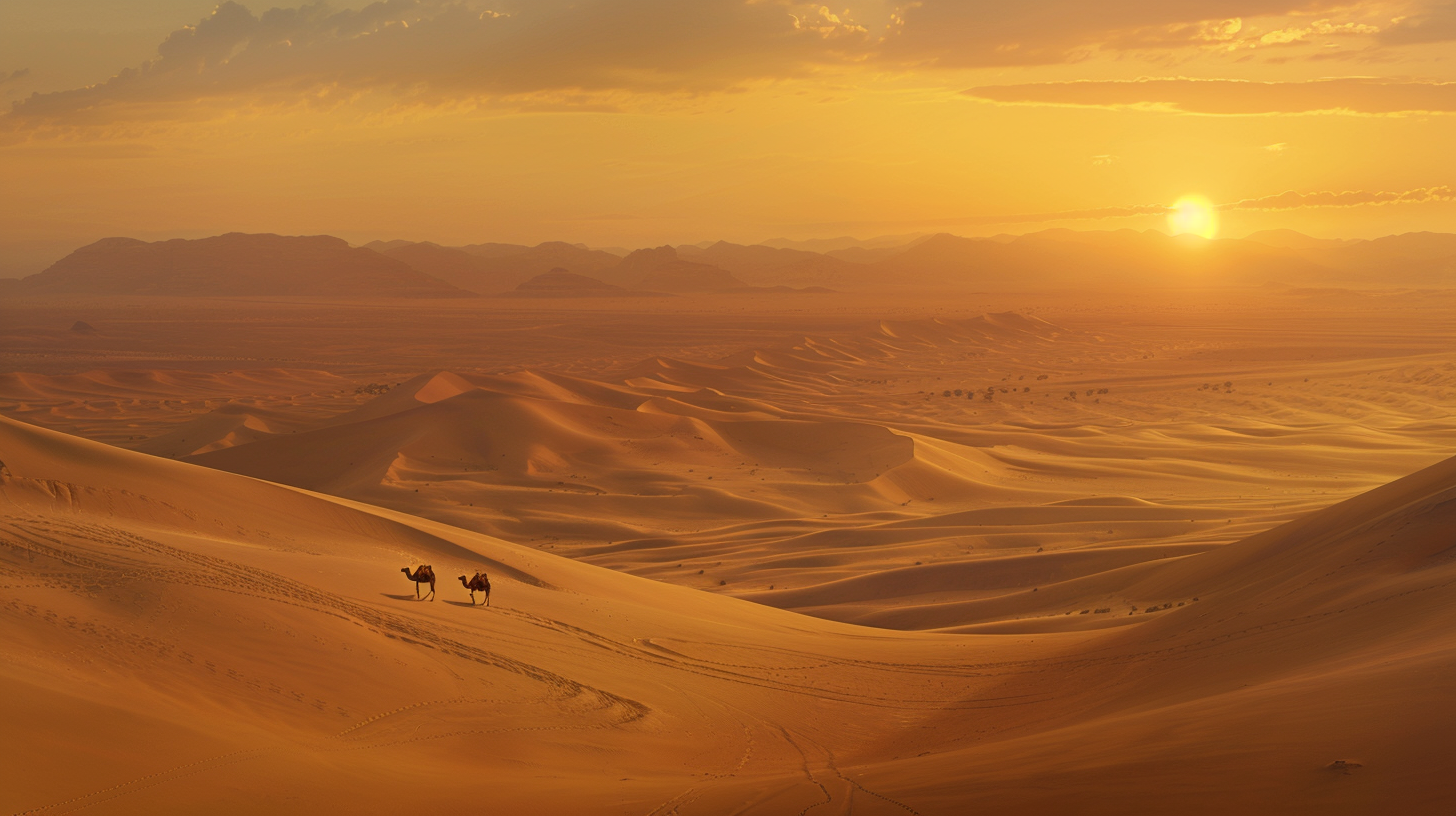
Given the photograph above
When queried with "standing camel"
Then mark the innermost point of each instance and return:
(477, 583)
(425, 574)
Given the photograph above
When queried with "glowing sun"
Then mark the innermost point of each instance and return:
(1193, 215)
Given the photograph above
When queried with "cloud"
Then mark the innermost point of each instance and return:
(981, 33)
(14, 75)
(462, 51)
(449, 50)
(1365, 95)
(1436, 24)
(1291, 200)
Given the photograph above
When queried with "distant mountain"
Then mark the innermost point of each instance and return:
(661, 270)
(234, 264)
(1422, 259)
(486, 268)
(383, 247)
(685, 277)
(1071, 259)
(767, 266)
(496, 250)
(865, 255)
(1289, 239)
(829, 245)
(458, 267)
(559, 283)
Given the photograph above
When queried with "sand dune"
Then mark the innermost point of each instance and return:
(796, 475)
(766, 483)
(171, 412)
(261, 635)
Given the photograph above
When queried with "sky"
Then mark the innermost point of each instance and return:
(642, 122)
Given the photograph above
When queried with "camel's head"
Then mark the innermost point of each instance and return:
(404, 570)
(463, 578)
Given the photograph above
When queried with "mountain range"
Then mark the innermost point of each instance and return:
(243, 264)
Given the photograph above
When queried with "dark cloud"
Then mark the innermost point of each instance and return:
(1436, 24)
(462, 49)
(453, 50)
(1235, 97)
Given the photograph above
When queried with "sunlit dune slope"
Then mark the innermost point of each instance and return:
(638, 457)
(237, 646)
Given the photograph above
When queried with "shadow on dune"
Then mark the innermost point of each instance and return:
(402, 597)
(468, 604)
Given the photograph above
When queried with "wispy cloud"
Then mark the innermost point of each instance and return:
(1232, 97)
(1291, 200)
(982, 33)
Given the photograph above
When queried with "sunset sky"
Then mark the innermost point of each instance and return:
(641, 122)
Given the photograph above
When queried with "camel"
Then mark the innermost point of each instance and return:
(425, 574)
(478, 583)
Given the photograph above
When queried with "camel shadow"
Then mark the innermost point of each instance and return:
(404, 597)
(477, 604)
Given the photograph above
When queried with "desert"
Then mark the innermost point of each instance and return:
(727, 407)
(745, 557)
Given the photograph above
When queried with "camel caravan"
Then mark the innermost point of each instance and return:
(425, 574)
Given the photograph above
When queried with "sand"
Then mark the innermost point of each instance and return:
(746, 558)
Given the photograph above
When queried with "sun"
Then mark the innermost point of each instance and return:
(1193, 215)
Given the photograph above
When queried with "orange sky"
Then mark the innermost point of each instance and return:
(639, 122)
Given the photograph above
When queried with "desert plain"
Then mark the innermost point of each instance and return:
(1175, 550)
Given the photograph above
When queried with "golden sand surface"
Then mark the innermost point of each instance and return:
(799, 554)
